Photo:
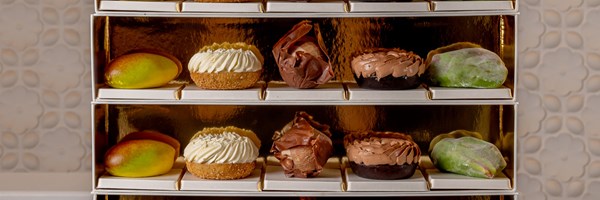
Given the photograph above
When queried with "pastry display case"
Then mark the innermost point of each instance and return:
(180, 108)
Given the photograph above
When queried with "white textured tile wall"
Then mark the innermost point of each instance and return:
(45, 84)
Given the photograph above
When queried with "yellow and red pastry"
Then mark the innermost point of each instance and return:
(222, 153)
(226, 66)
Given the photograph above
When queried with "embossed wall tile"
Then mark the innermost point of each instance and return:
(532, 144)
(590, 116)
(593, 191)
(591, 29)
(553, 187)
(593, 83)
(530, 114)
(553, 124)
(593, 60)
(60, 4)
(8, 78)
(552, 39)
(532, 166)
(530, 81)
(593, 3)
(575, 103)
(59, 76)
(20, 108)
(594, 146)
(60, 150)
(530, 30)
(574, 125)
(563, 159)
(562, 72)
(530, 188)
(552, 18)
(574, 18)
(22, 31)
(594, 169)
(562, 5)
(574, 39)
(552, 103)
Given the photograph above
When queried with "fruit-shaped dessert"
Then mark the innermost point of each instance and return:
(302, 146)
(467, 155)
(301, 57)
(466, 65)
(142, 69)
(142, 154)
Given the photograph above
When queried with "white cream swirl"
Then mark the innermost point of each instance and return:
(224, 60)
(228, 147)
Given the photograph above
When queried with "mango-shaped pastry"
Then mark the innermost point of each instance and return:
(142, 69)
(142, 154)
(466, 65)
(468, 156)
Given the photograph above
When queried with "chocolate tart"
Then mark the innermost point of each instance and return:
(382, 155)
(388, 69)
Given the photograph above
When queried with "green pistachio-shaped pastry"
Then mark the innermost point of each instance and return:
(466, 65)
(468, 156)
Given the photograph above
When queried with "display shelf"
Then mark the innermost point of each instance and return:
(128, 109)
(308, 193)
(319, 6)
(314, 6)
(416, 183)
(246, 7)
(369, 6)
(472, 5)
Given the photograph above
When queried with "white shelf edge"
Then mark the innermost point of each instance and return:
(308, 15)
(298, 193)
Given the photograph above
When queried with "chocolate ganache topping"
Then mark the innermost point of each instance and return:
(381, 148)
(302, 59)
(302, 146)
(383, 62)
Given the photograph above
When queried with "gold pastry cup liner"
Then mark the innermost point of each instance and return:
(226, 80)
(218, 171)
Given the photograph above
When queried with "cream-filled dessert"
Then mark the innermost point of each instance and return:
(382, 155)
(388, 69)
(222, 153)
(226, 66)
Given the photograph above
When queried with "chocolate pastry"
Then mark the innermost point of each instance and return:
(382, 155)
(301, 57)
(302, 146)
(388, 69)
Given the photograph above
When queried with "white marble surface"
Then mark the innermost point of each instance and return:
(559, 85)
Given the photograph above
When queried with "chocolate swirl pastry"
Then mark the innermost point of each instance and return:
(301, 57)
(382, 155)
(390, 69)
(302, 146)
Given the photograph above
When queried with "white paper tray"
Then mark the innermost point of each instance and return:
(189, 182)
(328, 180)
(472, 5)
(365, 6)
(439, 93)
(192, 92)
(282, 92)
(168, 92)
(312, 6)
(163, 182)
(359, 94)
(450, 181)
(246, 7)
(445, 181)
(149, 6)
(416, 183)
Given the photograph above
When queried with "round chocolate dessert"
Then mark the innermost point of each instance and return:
(388, 69)
(382, 155)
